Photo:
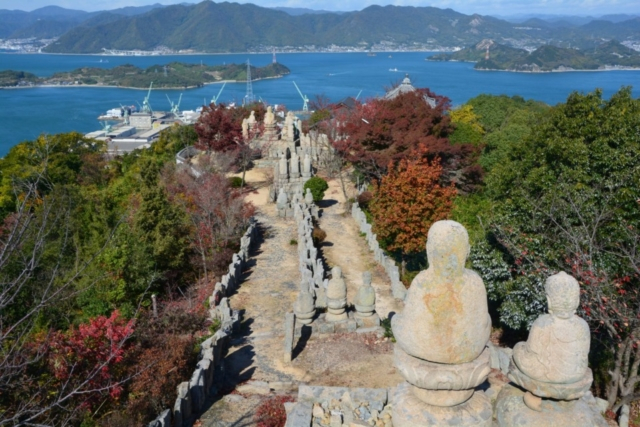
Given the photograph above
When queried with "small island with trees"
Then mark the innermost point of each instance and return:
(489, 55)
(173, 75)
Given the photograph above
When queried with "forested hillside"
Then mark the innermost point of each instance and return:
(231, 27)
(105, 269)
(545, 58)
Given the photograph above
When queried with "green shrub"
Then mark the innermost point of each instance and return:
(293, 242)
(317, 186)
(388, 332)
(235, 182)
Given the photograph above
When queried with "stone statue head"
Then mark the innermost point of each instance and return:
(563, 295)
(336, 272)
(366, 278)
(447, 248)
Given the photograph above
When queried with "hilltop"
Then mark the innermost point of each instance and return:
(607, 55)
(231, 27)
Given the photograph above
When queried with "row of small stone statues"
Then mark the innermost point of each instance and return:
(442, 352)
(334, 299)
(315, 290)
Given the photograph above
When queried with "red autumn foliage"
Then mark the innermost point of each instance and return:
(409, 199)
(382, 132)
(217, 130)
(92, 357)
(167, 361)
(271, 412)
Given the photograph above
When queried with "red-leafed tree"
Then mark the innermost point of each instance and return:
(408, 200)
(383, 131)
(90, 359)
(217, 129)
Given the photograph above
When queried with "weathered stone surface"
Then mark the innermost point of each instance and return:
(376, 397)
(409, 411)
(336, 297)
(367, 322)
(511, 411)
(254, 387)
(304, 307)
(163, 420)
(557, 349)
(439, 376)
(571, 391)
(289, 328)
(365, 301)
(446, 318)
(300, 415)
(326, 327)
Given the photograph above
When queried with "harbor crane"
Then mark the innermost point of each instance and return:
(305, 106)
(106, 127)
(214, 100)
(146, 107)
(175, 108)
(125, 114)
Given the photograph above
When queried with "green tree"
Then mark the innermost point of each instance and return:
(566, 199)
(467, 126)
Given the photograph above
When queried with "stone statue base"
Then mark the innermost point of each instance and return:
(409, 411)
(550, 390)
(511, 410)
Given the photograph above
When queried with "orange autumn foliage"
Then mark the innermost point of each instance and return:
(408, 200)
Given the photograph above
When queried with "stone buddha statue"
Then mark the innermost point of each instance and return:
(269, 117)
(557, 349)
(446, 317)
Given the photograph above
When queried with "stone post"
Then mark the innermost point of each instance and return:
(289, 328)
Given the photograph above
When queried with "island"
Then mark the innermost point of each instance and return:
(489, 55)
(175, 75)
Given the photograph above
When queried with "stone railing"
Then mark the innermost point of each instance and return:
(389, 265)
(186, 154)
(207, 376)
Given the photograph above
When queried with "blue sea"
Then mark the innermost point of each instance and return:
(26, 113)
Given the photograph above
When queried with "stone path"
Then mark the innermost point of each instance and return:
(346, 248)
(254, 365)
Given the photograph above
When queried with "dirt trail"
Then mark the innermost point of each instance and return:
(269, 290)
(346, 248)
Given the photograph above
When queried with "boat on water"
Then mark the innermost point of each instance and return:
(371, 54)
(393, 70)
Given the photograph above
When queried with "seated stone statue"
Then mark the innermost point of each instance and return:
(557, 349)
(446, 318)
(269, 117)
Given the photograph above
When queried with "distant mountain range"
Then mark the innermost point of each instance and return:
(232, 27)
(492, 56)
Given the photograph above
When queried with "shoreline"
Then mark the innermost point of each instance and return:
(135, 88)
(226, 53)
(572, 70)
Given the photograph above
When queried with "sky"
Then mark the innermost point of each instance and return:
(483, 7)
